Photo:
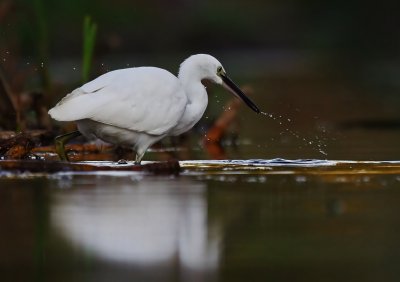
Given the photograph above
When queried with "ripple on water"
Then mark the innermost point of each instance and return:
(261, 162)
(314, 167)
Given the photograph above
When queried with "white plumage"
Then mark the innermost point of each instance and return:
(137, 107)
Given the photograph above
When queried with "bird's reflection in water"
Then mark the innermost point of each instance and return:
(150, 223)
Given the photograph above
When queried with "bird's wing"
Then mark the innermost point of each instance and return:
(143, 99)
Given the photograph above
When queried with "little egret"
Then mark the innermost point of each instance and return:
(136, 107)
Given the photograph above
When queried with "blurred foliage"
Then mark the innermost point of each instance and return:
(347, 39)
(41, 40)
(89, 38)
(352, 28)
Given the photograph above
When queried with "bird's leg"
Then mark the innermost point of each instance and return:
(60, 143)
(139, 157)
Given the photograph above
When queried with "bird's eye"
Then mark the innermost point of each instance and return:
(219, 70)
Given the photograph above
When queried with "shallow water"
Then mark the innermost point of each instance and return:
(237, 220)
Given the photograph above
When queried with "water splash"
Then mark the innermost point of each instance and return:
(318, 142)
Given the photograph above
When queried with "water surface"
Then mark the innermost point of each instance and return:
(255, 220)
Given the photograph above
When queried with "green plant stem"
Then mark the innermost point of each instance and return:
(89, 38)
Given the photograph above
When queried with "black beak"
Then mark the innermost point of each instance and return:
(232, 87)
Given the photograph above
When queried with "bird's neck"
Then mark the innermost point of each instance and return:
(196, 106)
(197, 98)
(194, 89)
(190, 78)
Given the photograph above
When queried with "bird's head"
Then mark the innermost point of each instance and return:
(204, 66)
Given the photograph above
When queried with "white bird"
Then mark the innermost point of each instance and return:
(136, 107)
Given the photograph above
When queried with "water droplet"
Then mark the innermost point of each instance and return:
(282, 121)
(323, 152)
